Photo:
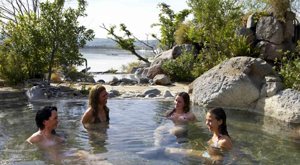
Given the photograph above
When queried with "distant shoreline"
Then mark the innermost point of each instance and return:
(111, 48)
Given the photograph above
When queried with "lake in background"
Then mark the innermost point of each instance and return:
(101, 60)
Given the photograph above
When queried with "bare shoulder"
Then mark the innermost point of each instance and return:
(225, 142)
(35, 138)
(168, 112)
(87, 116)
(191, 116)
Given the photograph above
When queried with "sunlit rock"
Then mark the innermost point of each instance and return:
(235, 83)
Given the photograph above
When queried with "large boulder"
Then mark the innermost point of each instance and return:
(235, 83)
(156, 66)
(285, 106)
(269, 29)
(288, 27)
(270, 51)
(35, 93)
(161, 79)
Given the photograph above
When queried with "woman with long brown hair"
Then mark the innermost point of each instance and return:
(181, 113)
(97, 112)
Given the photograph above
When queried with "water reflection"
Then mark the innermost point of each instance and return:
(134, 126)
(97, 137)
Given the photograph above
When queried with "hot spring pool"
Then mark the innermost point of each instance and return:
(138, 133)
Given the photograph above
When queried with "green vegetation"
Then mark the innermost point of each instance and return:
(180, 68)
(169, 23)
(112, 70)
(289, 68)
(127, 68)
(32, 45)
(85, 91)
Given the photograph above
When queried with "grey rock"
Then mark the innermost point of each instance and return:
(269, 29)
(285, 106)
(126, 80)
(150, 95)
(101, 81)
(154, 91)
(139, 71)
(143, 80)
(251, 23)
(35, 93)
(161, 79)
(270, 51)
(167, 93)
(114, 92)
(113, 79)
(234, 83)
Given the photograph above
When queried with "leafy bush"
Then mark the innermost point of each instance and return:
(289, 68)
(187, 33)
(85, 91)
(12, 70)
(112, 70)
(180, 68)
(239, 46)
(206, 60)
(127, 68)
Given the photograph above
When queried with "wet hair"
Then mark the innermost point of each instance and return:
(94, 98)
(220, 114)
(186, 98)
(44, 114)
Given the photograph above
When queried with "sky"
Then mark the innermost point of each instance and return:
(137, 15)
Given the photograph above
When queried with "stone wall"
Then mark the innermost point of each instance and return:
(270, 35)
(12, 97)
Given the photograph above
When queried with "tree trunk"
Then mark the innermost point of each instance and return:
(50, 66)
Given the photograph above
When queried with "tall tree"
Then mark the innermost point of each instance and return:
(169, 23)
(38, 44)
(62, 31)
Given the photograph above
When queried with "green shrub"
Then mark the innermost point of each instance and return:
(239, 46)
(180, 68)
(12, 69)
(127, 68)
(206, 60)
(112, 70)
(85, 91)
(187, 34)
(289, 68)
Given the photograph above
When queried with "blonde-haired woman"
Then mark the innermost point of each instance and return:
(97, 112)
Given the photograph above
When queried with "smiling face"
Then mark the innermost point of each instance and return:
(52, 122)
(212, 123)
(179, 103)
(103, 97)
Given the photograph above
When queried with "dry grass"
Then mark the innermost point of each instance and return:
(56, 78)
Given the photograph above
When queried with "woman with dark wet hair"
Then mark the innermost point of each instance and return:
(46, 120)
